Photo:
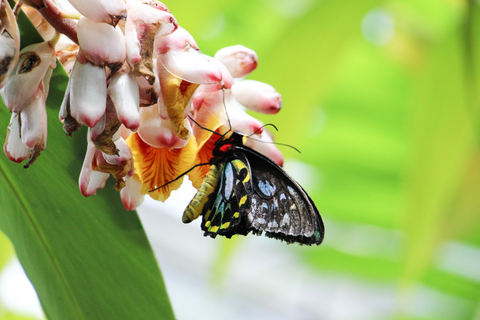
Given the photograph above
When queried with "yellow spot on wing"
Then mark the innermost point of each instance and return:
(236, 214)
(240, 165)
(242, 200)
(225, 225)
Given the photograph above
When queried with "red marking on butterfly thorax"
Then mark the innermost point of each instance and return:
(226, 147)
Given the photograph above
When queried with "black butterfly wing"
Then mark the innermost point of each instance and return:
(280, 207)
(227, 213)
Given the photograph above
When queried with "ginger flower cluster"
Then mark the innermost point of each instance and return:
(140, 84)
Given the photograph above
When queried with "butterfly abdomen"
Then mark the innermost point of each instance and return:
(204, 196)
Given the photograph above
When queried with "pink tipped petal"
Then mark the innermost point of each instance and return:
(130, 194)
(239, 60)
(34, 123)
(100, 42)
(14, 148)
(257, 96)
(181, 39)
(124, 92)
(146, 22)
(90, 181)
(31, 69)
(96, 180)
(160, 21)
(88, 94)
(159, 132)
(264, 144)
(178, 53)
(124, 153)
(192, 66)
(108, 11)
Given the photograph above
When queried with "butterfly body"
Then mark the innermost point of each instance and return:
(244, 192)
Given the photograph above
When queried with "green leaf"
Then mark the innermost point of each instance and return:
(88, 258)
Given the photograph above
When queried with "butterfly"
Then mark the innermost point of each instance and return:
(244, 192)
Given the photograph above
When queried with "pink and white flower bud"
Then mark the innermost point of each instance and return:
(131, 195)
(14, 148)
(159, 132)
(88, 93)
(9, 42)
(144, 23)
(239, 60)
(27, 132)
(100, 43)
(210, 111)
(178, 53)
(108, 11)
(90, 181)
(257, 96)
(124, 92)
(34, 123)
(264, 144)
(34, 62)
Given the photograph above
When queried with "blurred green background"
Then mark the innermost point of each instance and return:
(382, 99)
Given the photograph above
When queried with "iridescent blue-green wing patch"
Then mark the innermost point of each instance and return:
(226, 216)
(280, 207)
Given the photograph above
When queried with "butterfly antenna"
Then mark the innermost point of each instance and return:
(268, 124)
(202, 127)
(276, 143)
(163, 185)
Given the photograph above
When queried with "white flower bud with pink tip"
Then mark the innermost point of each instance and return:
(14, 148)
(90, 181)
(100, 42)
(144, 23)
(131, 195)
(239, 60)
(108, 11)
(88, 93)
(123, 90)
(159, 132)
(9, 42)
(257, 96)
(29, 74)
(27, 132)
(178, 53)
(34, 123)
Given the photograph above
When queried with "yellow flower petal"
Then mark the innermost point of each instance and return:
(157, 166)
(177, 94)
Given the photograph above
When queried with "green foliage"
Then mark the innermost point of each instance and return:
(87, 258)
